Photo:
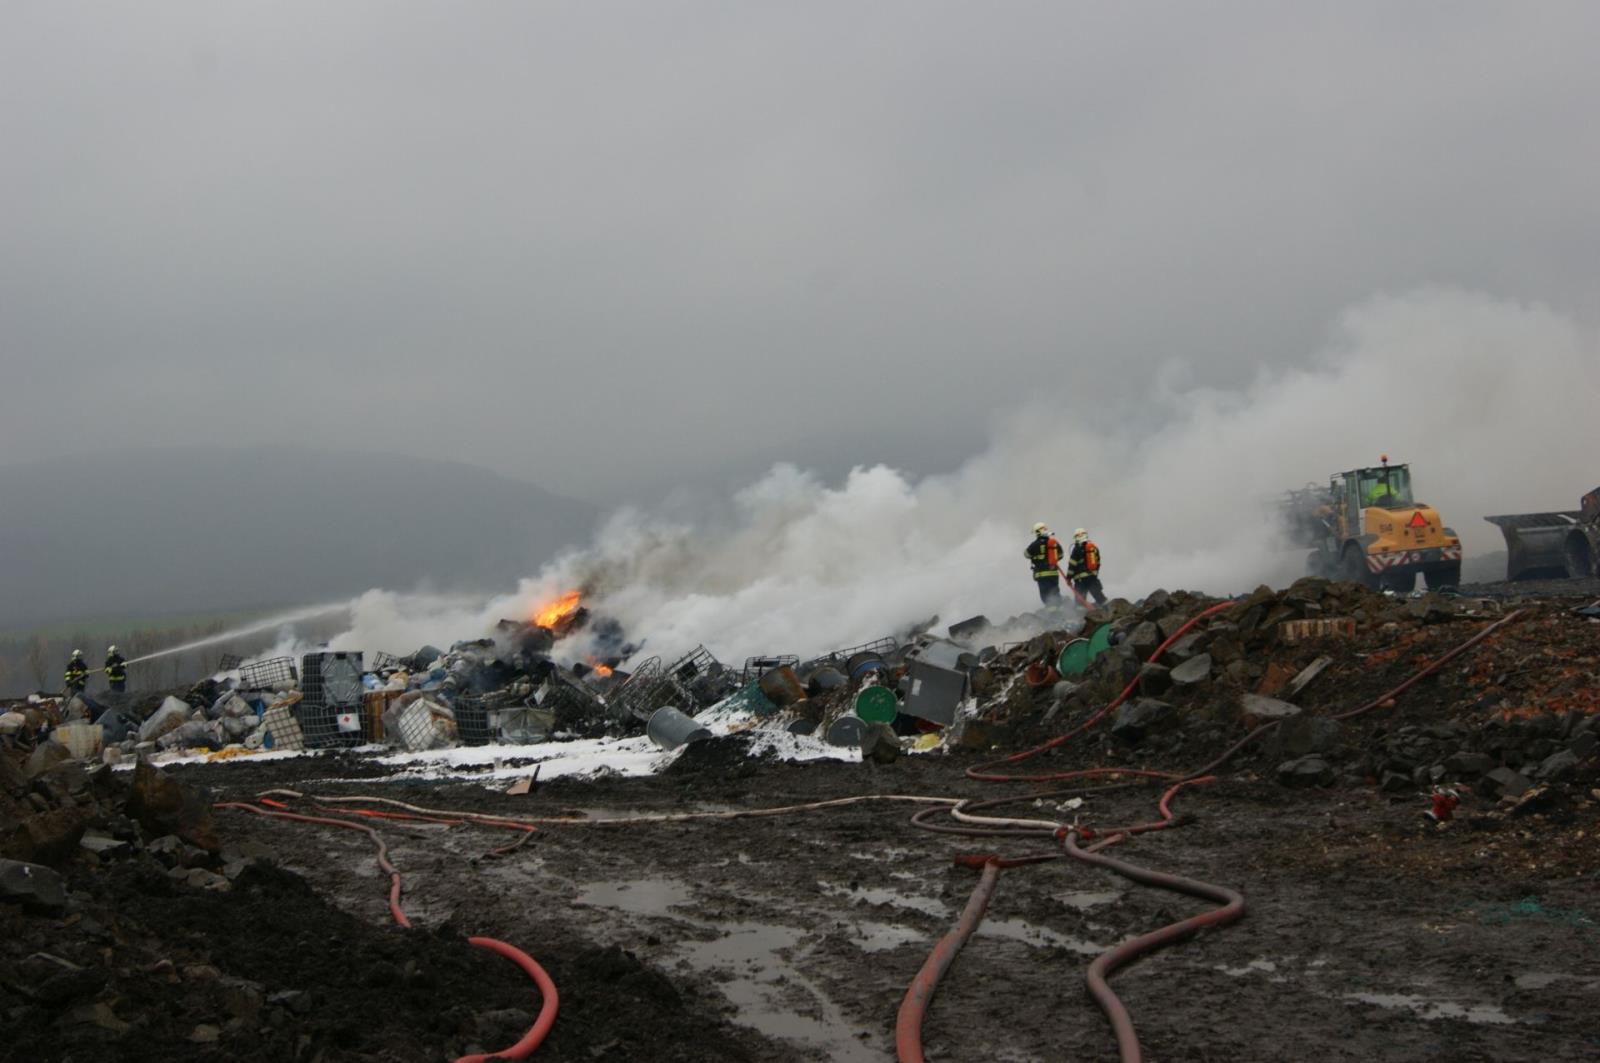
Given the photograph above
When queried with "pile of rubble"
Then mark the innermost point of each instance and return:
(1517, 714)
(54, 810)
(1516, 722)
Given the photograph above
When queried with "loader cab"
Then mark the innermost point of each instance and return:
(1383, 487)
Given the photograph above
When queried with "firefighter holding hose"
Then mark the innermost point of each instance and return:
(1045, 555)
(116, 670)
(76, 676)
(1083, 568)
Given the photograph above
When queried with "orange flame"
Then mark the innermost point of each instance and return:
(552, 614)
(602, 670)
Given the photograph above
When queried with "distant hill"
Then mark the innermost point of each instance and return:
(149, 533)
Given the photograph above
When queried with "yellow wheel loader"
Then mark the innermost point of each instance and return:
(1366, 526)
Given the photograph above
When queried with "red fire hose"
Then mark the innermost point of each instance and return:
(908, 1024)
(908, 1037)
(1232, 908)
(550, 999)
(983, 772)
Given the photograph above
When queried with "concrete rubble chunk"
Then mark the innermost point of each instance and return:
(1188, 646)
(880, 744)
(1143, 639)
(35, 887)
(1154, 679)
(1255, 710)
(1302, 735)
(1557, 766)
(1583, 745)
(1306, 771)
(41, 760)
(164, 806)
(1196, 669)
(1136, 720)
(1470, 765)
(104, 846)
(1504, 782)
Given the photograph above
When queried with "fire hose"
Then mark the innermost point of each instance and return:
(1232, 909)
(550, 999)
(914, 1005)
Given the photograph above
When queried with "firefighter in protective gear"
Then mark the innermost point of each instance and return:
(1045, 555)
(1083, 568)
(77, 674)
(116, 670)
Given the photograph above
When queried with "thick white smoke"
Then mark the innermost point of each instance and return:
(1490, 401)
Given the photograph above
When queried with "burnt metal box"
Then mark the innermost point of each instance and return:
(934, 693)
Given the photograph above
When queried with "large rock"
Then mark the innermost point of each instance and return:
(1302, 735)
(1466, 765)
(1195, 670)
(1154, 679)
(165, 806)
(35, 888)
(1305, 771)
(880, 744)
(1138, 719)
(49, 837)
(1255, 710)
(1557, 766)
(1582, 745)
(1169, 625)
(1143, 639)
(1503, 782)
(42, 759)
(1188, 646)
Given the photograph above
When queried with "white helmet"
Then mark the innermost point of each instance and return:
(77, 653)
(1040, 528)
(1079, 536)
(111, 649)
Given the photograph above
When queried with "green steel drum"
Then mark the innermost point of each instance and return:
(1074, 658)
(876, 705)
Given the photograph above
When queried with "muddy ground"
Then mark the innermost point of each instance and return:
(1368, 935)
(1370, 932)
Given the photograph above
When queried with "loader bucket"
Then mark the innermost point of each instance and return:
(1536, 543)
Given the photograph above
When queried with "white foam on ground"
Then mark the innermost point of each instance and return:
(631, 757)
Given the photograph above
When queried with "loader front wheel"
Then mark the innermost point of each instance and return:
(1353, 567)
(1443, 576)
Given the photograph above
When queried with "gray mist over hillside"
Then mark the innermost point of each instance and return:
(149, 534)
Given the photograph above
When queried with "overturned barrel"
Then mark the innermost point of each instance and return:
(861, 663)
(847, 730)
(876, 705)
(824, 679)
(669, 728)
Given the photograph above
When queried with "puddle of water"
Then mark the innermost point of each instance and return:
(746, 960)
(645, 896)
(764, 986)
(883, 854)
(881, 937)
(1039, 937)
(1436, 1009)
(1257, 966)
(1083, 899)
(872, 895)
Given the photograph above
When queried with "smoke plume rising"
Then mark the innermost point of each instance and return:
(1489, 401)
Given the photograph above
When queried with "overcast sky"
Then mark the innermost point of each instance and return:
(611, 247)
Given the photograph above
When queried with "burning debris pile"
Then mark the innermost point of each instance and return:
(1517, 715)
